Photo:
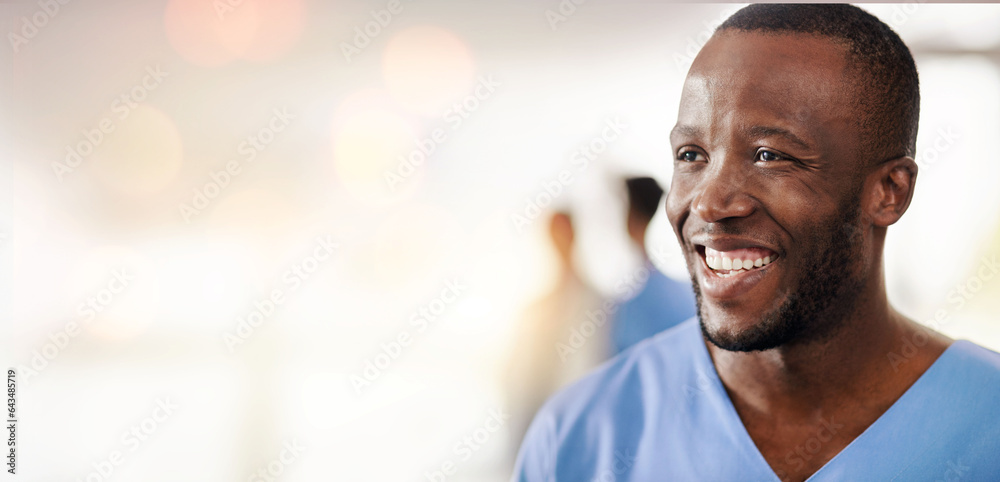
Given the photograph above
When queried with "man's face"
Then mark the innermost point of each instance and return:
(767, 172)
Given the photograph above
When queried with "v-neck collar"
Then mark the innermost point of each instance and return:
(733, 418)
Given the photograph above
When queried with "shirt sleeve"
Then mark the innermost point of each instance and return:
(536, 458)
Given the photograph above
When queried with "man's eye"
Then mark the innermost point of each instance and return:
(690, 156)
(769, 156)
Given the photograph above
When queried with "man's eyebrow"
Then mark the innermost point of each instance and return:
(685, 130)
(771, 131)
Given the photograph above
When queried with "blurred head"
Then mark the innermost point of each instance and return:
(561, 233)
(793, 153)
(644, 195)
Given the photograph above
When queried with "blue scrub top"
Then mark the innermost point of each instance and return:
(661, 304)
(660, 412)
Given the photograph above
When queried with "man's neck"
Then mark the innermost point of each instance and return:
(834, 388)
(854, 362)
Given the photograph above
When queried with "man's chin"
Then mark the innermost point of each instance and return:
(746, 332)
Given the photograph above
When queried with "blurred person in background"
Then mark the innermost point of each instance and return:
(661, 302)
(550, 348)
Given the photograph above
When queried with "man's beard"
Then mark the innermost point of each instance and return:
(825, 297)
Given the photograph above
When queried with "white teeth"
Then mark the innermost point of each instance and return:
(729, 264)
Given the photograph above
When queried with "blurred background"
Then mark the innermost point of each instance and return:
(319, 240)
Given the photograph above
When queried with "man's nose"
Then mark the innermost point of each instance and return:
(723, 193)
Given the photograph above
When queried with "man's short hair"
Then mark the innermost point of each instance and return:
(884, 74)
(644, 195)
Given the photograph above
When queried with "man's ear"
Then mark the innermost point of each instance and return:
(890, 189)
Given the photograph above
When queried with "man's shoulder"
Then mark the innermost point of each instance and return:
(967, 375)
(972, 365)
(600, 424)
(978, 356)
(660, 366)
(947, 426)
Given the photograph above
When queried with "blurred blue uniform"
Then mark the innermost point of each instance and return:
(662, 303)
(660, 412)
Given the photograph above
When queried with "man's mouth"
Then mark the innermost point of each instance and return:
(732, 268)
(732, 263)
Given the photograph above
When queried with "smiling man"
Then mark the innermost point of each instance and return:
(793, 154)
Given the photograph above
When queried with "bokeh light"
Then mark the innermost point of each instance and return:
(141, 156)
(369, 148)
(426, 68)
(215, 32)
